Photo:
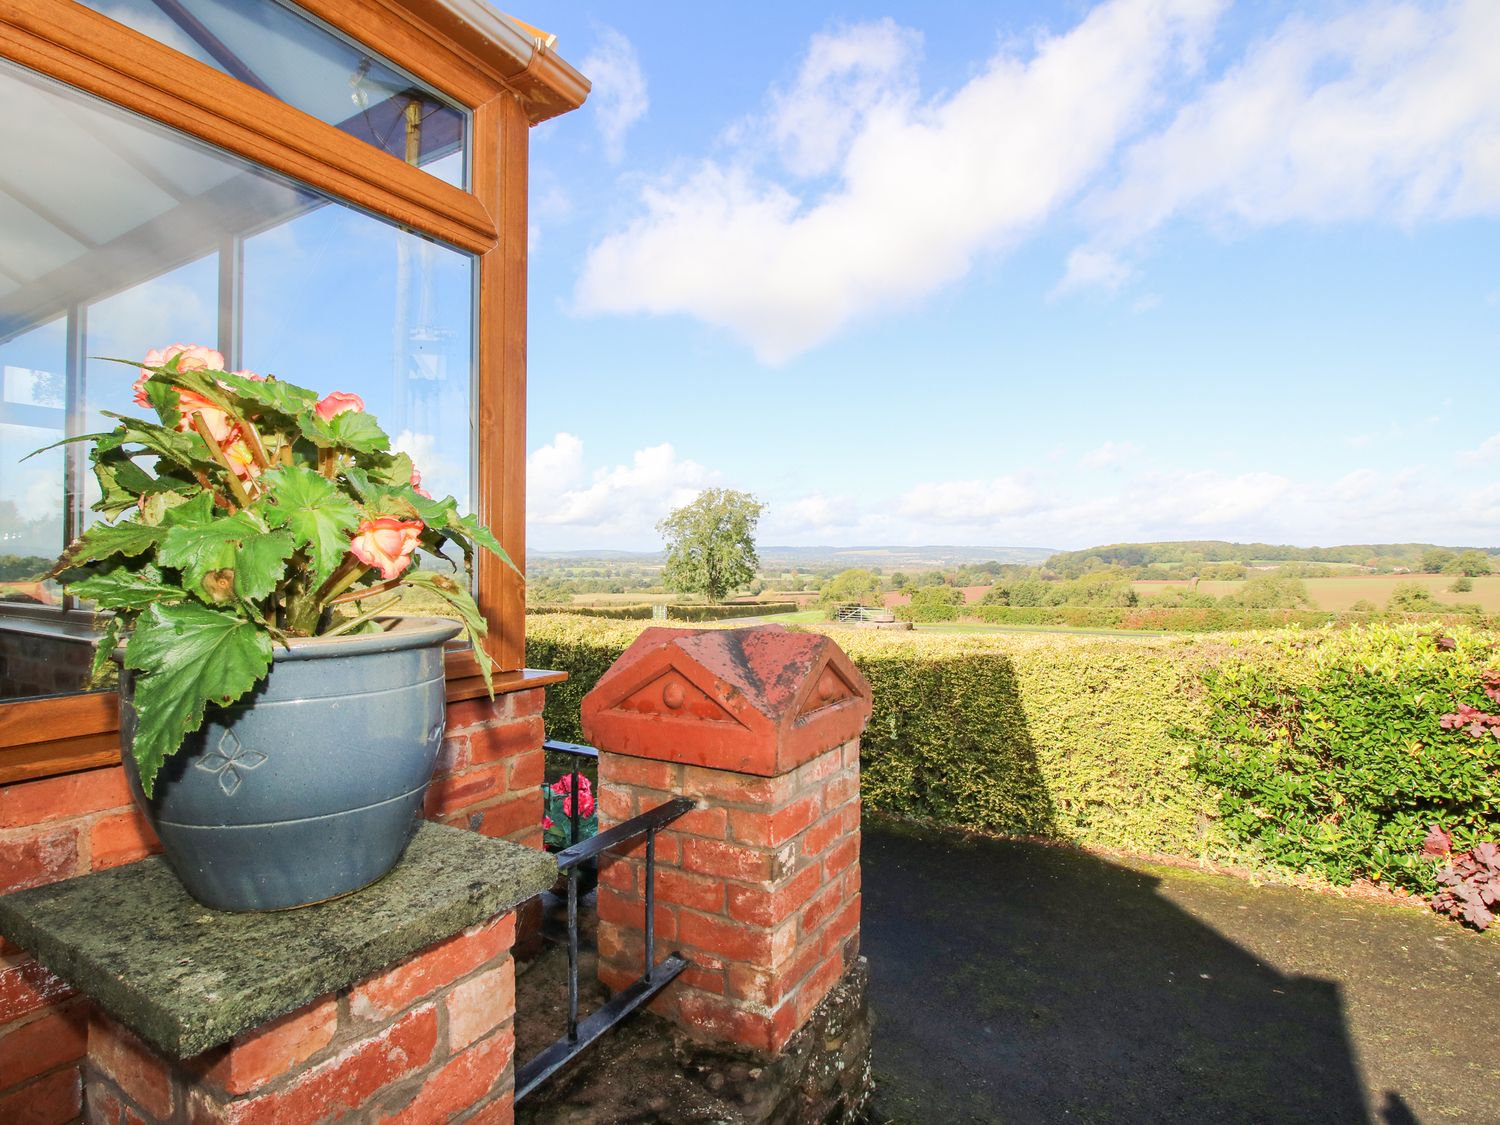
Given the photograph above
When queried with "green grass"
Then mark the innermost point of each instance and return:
(1341, 593)
(977, 627)
(801, 617)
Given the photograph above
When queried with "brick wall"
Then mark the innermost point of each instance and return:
(759, 888)
(487, 779)
(489, 773)
(429, 1040)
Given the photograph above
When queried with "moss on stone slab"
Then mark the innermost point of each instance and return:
(187, 978)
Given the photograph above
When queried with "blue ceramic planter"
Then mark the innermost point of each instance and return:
(312, 785)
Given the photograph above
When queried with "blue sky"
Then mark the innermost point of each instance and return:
(1023, 274)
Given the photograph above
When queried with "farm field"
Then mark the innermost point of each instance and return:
(1341, 593)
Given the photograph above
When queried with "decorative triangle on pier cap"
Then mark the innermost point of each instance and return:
(830, 688)
(759, 701)
(671, 695)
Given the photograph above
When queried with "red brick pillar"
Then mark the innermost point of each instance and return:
(759, 886)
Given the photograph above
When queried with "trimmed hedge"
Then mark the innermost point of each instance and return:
(926, 614)
(642, 611)
(1170, 745)
(1067, 737)
(728, 612)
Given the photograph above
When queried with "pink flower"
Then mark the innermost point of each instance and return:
(416, 483)
(387, 543)
(564, 786)
(190, 357)
(219, 426)
(338, 402)
(241, 460)
(546, 821)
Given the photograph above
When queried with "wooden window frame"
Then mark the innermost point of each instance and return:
(506, 91)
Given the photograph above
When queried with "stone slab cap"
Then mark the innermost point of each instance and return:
(186, 978)
(758, 701)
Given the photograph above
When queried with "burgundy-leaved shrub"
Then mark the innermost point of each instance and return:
(1469, 883)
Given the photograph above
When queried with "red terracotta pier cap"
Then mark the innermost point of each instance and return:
(759, 701)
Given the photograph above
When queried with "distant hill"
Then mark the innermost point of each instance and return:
(1218, 550)
(817, 558)
(894, 558)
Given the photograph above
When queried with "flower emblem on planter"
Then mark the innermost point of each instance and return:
(230, 761)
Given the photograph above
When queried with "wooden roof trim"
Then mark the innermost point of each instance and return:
(72, 43)
(514, 54)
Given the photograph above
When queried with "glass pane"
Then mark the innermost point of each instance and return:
(179, 305)
(285, 52)
(337, 301)
(324, 295)
(32, 415)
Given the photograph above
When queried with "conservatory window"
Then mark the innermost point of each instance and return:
(123, 235)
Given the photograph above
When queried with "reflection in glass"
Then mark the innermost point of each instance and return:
(284, 52)
(335, 301)
(32, 415)
(121, 236)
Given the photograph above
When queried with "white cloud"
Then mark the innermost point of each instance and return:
(598, 507)
(1483, 454)
(619, 97)
(1111, 455)
(845, 79)
(442, 475)
(917, 190)
(1387, 111)
(1093, 267)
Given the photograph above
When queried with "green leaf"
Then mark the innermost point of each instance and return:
(272, 394)
(353, 429)
(261, 564)
(208, 554)
(398, 471)
(128, 538)
(399, 499)
(475, 626)
(189, 656)
(312, 508)
(186, 449)
(191, 513)
(122, 482)
(111, 628)
(165, 400)
(122, 588)
(470, 528)
(158, 504)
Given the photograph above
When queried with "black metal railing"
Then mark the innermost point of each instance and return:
(657, 975)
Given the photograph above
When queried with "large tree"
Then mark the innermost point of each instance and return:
(711, 543)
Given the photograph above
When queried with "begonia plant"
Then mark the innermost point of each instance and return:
(557, 812)
(250, 512)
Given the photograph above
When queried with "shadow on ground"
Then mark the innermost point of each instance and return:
(1015, 982)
